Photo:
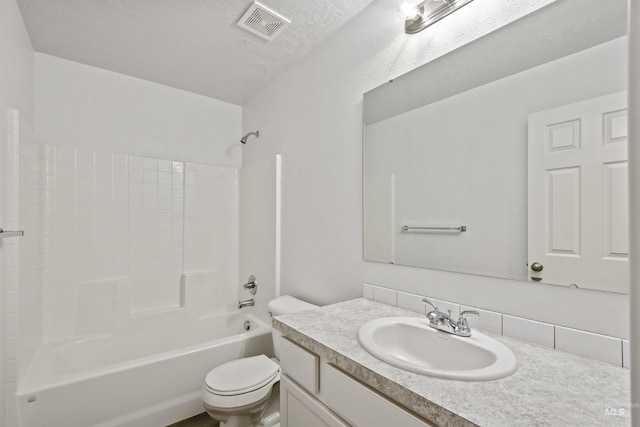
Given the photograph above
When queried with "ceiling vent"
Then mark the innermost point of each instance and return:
(263, 22)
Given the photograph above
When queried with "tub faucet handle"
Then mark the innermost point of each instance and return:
(251, 285)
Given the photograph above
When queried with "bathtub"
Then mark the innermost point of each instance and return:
(149, 374)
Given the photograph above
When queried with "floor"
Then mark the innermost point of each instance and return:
(202, 420)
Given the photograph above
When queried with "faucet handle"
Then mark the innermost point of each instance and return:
(469, 313)
(463, 325)
(251, 285)
(426, 301)
(432, 316)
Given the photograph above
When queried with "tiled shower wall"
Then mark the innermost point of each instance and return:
(156, 225)
(115, 235)
(23, 255)
(108, 238)
(85, 237)
(211, 233)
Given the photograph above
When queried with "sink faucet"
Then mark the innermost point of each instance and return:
(246, 303)
(443, 321)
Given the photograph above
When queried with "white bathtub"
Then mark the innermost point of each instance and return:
(148, 375)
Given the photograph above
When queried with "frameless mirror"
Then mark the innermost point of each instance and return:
(507, 156)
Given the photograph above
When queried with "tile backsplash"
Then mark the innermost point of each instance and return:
(594, 346)
(528, 330)
(604, 348)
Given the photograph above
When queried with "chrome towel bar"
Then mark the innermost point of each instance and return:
(4, 234)
(460, 228)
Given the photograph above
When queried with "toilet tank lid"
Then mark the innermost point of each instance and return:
(287, 304)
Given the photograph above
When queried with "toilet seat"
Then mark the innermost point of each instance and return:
(240, 382)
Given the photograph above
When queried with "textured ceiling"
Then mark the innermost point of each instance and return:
(193, 45)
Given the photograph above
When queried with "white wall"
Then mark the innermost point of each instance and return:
(78, 105)
(318, 129)
(16, 92)
(471, 167)
(634, 179)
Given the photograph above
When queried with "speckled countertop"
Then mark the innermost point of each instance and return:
(550, 388)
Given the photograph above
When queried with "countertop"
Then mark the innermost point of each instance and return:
(550, 388)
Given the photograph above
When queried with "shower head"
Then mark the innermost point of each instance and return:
(244, 138)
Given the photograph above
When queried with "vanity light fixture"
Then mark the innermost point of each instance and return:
(429, 12)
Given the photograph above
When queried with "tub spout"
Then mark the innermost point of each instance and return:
(246, 303)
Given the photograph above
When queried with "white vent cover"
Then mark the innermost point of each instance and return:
(262, 21)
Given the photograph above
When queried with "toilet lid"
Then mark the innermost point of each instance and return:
(242, 375)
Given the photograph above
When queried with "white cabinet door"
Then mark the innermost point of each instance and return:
(300, 409)
(578, 194)
(299, 364)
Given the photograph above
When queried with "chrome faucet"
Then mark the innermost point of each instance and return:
(246, 303)
(443, 321)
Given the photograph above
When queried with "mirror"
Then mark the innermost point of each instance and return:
(470, 160)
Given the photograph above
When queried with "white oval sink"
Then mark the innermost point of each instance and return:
(410, 343)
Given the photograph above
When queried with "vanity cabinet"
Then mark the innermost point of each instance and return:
(314, 393)
(300, 409)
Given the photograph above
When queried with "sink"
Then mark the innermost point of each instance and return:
(410, 343)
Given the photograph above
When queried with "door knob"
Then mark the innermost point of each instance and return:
(536, 266)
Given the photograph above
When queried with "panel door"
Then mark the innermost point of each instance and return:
(578, 194)
(299, 409)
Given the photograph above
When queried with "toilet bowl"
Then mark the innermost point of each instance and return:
(240, 389)
(245, 392)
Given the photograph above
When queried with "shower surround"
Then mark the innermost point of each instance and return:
(130, 267)
(122, 235)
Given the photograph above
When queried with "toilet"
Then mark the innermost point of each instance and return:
(245, 392)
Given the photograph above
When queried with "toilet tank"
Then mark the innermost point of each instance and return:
(285, 305)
